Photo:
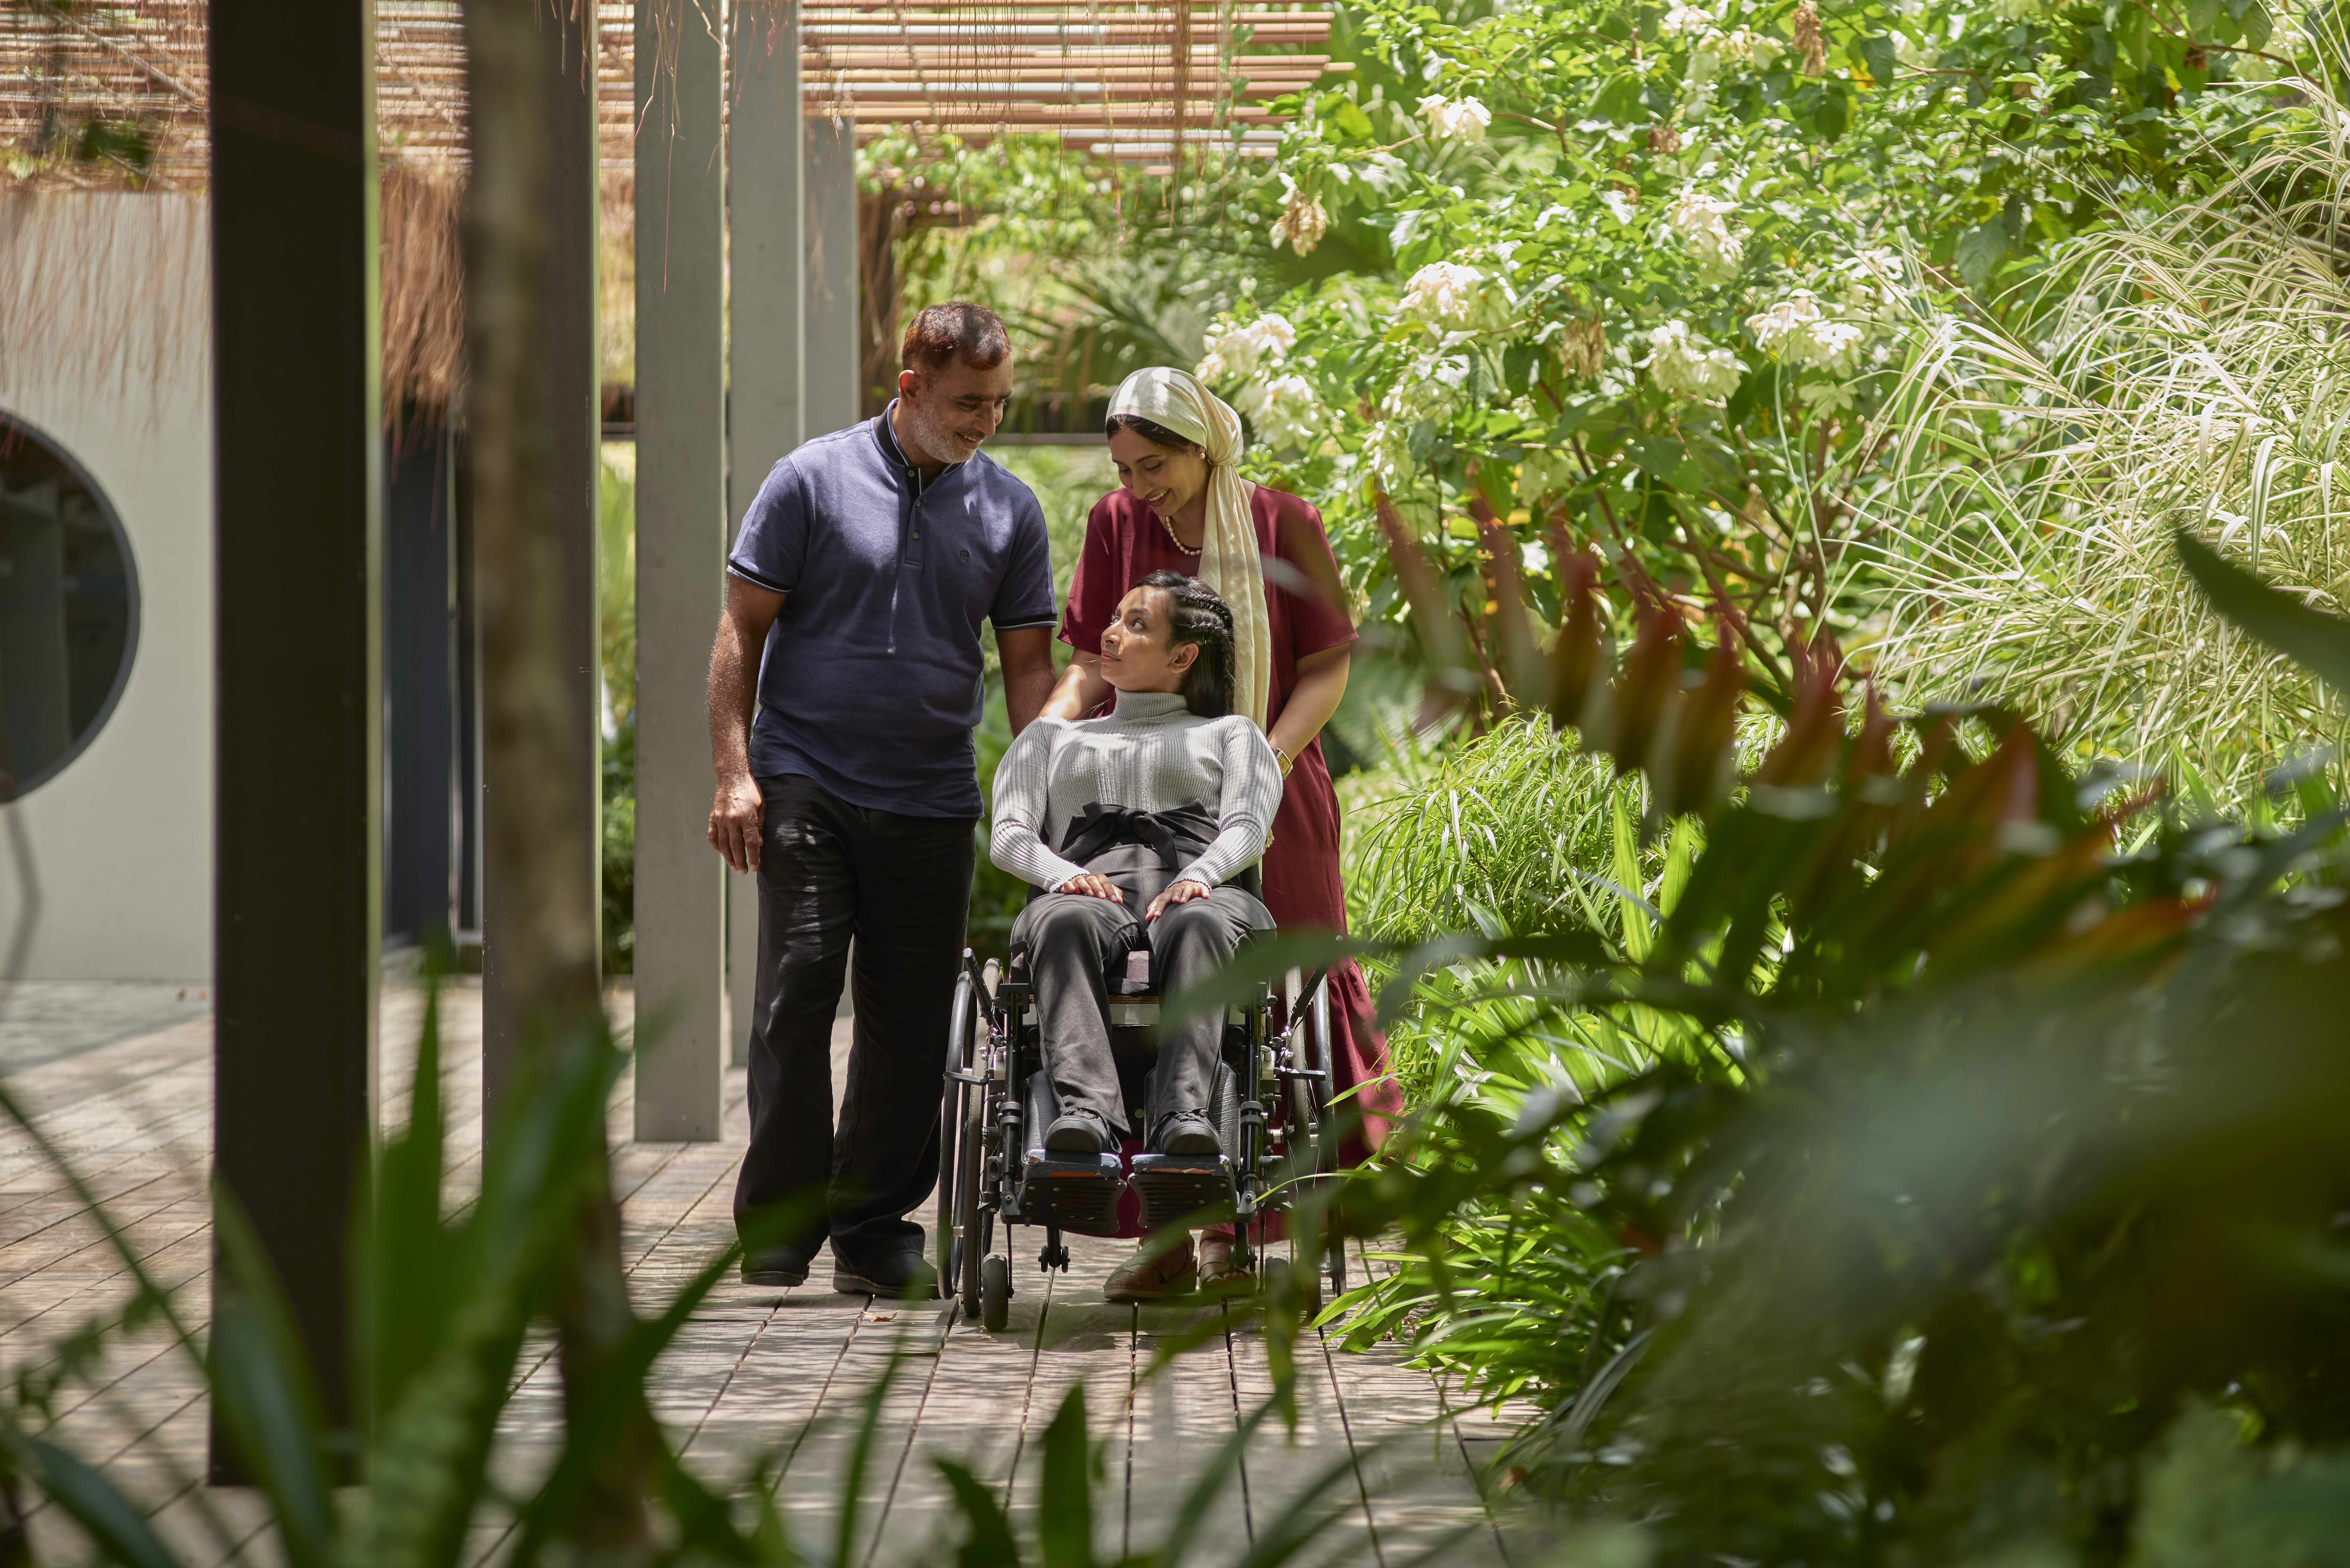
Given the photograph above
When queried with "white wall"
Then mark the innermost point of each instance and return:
(103, 350)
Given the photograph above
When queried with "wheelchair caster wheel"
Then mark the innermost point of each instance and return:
(994, 1292)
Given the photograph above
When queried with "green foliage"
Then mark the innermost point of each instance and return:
(1495, 834)
(1914, 1168)
(1649, 275)
(616, 577)
(616, 603)
(2184, 374)
(617, 862)
(1097, 267)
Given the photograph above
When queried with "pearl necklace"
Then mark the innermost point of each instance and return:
(1177, 538)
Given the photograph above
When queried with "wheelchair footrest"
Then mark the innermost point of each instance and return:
(1175, 1187)
(1079, 1194)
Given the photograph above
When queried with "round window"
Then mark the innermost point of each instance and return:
(68, 609)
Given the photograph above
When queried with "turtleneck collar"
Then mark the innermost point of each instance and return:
(1145, 706)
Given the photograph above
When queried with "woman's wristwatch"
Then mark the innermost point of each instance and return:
(1284, 760)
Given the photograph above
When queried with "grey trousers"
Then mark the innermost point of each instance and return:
(1071, 939)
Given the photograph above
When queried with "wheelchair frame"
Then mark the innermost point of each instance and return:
(994, 1045)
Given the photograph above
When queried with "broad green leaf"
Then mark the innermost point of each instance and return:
(989, 1542)
(2319, 642)
(1065, 1507)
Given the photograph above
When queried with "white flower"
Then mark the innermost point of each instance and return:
(1694, 20)
(1455, 119)
(1387, 454)
(1797, 331)
(1284, 410)
(1447, 296)
(1242, 347)
(1875, 283)
(1431, 388)
(1757, 49)
(1686, 365)
(1301, 223)
(1837, 346)
(1785, 323)
(1618, 203)
(1698, 220)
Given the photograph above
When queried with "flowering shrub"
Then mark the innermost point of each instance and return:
(1644, 279)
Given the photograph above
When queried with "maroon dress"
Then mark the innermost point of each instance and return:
(1125, 541)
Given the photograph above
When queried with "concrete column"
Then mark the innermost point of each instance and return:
(681, 569)
(766, 240)
(573, 461)
(297, 534)
(834, 395)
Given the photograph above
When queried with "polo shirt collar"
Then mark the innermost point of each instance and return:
(888, 436)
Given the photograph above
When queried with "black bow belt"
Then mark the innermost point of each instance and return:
(1179, 837)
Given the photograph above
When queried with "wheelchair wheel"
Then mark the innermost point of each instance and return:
(972, 1225)
(962, 1020)
(995, 1293)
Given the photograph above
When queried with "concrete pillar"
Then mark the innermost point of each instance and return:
(681, 569)
(765, 239)
(834, 395)
(573, 461)
(297, 534)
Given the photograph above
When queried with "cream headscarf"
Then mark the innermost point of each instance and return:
(1229, 561)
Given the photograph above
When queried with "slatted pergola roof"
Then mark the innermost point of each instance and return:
(111, 94)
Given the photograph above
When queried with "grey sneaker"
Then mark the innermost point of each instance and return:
(1188, 1132)
(1079, 1132)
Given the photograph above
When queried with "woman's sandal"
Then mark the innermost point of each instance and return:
(1150, 1277)
(1218, 1275)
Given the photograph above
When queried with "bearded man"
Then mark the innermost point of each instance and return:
(846, 681)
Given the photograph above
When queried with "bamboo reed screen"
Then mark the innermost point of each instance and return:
(111, 94)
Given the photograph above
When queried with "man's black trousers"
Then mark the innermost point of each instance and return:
(900, 885)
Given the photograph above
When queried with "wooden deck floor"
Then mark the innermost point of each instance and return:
(759, 1373)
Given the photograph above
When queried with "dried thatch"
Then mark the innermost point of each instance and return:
(423, 288)
(115, 100)
(103, 289)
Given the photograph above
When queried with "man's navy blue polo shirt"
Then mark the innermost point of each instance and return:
(872, 678)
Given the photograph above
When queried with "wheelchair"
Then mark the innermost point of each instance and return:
(1270, 1105)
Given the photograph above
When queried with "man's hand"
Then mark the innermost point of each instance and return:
(1177, 893)
(737, 815)
(738, 818)
(1092, 885)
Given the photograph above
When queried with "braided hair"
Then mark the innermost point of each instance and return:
(1201, 620)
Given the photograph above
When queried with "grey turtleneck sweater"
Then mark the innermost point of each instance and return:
(1150, 754)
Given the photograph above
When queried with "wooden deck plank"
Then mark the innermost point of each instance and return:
(758, 1375)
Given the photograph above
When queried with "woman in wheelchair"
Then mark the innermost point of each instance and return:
(1139, 819)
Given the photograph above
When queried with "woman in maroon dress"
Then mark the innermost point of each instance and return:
(1182, 508)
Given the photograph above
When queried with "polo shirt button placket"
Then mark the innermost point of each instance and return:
(914, 542)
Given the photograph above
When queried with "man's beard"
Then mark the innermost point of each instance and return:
(935, 437)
